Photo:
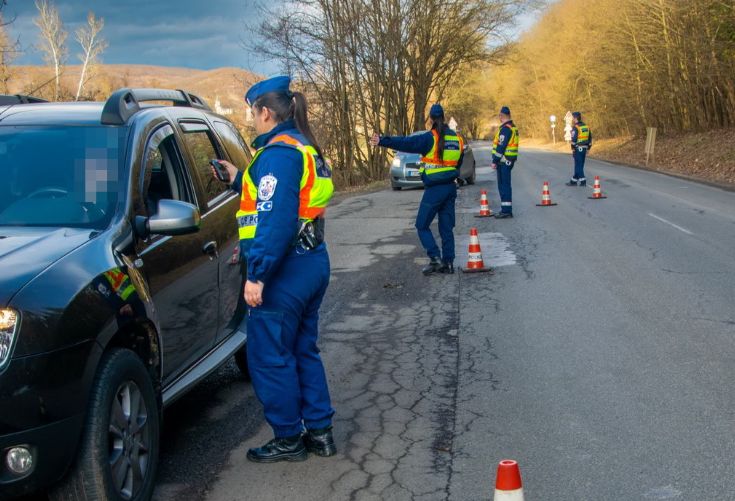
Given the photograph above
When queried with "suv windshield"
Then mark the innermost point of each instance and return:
(59, 176)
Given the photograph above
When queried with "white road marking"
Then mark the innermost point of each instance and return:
(654, 216)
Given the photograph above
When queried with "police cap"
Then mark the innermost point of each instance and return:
(505, 110)
(275, 84)
(436, 111)
(577, 115)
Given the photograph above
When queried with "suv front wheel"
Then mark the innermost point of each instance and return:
(118, 452)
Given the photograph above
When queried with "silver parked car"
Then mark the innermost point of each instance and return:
(404, 171)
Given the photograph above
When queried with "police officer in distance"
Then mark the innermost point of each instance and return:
(581, 144)
(505, 154)
(442, 150)
(284, 193)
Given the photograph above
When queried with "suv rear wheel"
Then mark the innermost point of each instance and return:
(120, 443)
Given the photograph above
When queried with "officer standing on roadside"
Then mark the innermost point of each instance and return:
(505, 154)
(442, 151)
(581, 144)
(284, 193)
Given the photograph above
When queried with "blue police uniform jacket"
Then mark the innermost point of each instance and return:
(422, 144)
(503, 141)
(278, 220)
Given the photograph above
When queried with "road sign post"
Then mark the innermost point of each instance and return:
(650, 142)
(552, 119)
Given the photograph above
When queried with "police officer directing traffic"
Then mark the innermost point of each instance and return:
(284, 193)
(442, 150)
(505, 154)
(581, 144)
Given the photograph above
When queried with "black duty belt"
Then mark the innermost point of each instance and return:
(311, 234)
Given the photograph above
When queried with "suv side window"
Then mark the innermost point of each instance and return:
(163, 175)
(202, 146)
(233, 143)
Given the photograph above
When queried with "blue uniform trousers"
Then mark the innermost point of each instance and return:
(285, 366)
(579, 154)
(438, 199)
(504, 187)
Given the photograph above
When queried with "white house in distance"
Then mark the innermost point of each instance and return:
(219, 109)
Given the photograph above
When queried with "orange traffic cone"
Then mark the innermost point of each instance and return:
(545, 196)
(474, 259)
(485, 210)
(508, 484)
(597, 190)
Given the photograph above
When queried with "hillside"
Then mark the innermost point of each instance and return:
(227, 84)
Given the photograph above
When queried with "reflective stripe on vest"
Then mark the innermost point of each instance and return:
(120, 283)
(583, 135)
(315, 189)
(453, 147)
(511, 150)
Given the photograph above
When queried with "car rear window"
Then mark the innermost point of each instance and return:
(59, 176)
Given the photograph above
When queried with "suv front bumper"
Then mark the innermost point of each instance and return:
(43, 405)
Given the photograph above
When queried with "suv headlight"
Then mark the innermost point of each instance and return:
(396, 162)
(8, 328)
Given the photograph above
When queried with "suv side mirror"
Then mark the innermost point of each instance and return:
(174, 217)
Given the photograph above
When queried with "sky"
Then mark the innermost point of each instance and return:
(202, 34)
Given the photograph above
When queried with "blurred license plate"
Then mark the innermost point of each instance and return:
(412, 173)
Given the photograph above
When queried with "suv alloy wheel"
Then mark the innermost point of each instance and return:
(120, 443)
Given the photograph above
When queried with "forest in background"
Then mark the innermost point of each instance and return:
(377, 65)
(626, 64)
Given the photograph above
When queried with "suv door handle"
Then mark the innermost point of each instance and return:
(210, 248)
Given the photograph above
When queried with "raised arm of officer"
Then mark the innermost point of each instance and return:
(419, 143)
(278, 184)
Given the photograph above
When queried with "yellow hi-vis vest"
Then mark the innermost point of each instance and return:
(453, 147)
(120, 283)
(316, 187)
(583, 135)
(511, 149)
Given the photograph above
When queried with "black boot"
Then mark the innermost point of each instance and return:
(571, 182)
(434, 265)
(320, 442)
(447, 268)
(503, 215)
(280, 449)
(583, 183)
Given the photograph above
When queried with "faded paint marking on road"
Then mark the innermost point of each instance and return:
(495, 250)
(671, 224)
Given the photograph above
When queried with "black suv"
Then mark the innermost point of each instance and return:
(120, 282)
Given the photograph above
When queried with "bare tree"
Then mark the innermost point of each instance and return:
(374, 65)
(53, 39)
(9, 50)
(92, 46)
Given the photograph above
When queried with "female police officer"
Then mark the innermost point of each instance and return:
(284, 192)
(442, 151)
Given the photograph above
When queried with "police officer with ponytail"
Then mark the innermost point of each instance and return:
(283, 195)
(442, 151)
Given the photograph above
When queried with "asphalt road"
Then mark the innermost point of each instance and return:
(599, 354)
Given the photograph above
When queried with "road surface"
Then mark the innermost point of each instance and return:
(599, 354)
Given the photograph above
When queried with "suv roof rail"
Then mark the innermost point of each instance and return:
(124, 103)
(19, 99)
